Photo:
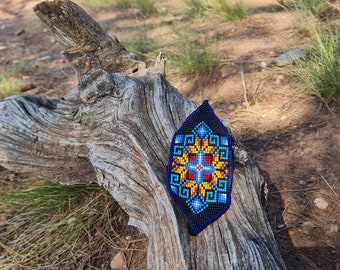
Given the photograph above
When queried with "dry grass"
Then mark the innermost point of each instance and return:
(319, 72)
(9, 84)
(49, 226)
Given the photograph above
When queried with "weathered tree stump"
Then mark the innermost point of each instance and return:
(116, 127)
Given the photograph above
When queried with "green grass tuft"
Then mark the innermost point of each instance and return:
(320, 72)
(8, 87)
(232, 12)
(139, 44)
(197, 9)
(48, 226)
(146, 6)
(123, 4)
(287, 5)
(193, 60)
(316, 7)
(8, 82)
(95, 4)
(190, 57)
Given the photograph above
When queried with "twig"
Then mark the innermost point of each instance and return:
(285, 210)
(334, 6)
(244, 88)
(328, 244)
(330, 187)
(8, 249)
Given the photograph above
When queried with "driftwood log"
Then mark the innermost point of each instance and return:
(116, 128)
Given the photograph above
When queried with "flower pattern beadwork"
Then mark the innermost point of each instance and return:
(200, 167)
(199, 171)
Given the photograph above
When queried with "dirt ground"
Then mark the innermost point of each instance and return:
(292, 137)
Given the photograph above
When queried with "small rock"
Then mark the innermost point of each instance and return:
(118, 262)
(231, 108)
(224, 75)
(302, 183)
(281, 226)
(320, 203)
(279, 78)
(333, 229)
(53, 40)
(307, 227)
(289, 57)
(263, 64)
(319, 169)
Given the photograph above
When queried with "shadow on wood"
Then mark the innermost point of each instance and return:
(116, 127)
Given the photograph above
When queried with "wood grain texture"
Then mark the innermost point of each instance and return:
(117, 128)
(41, 137)
(88, 46)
